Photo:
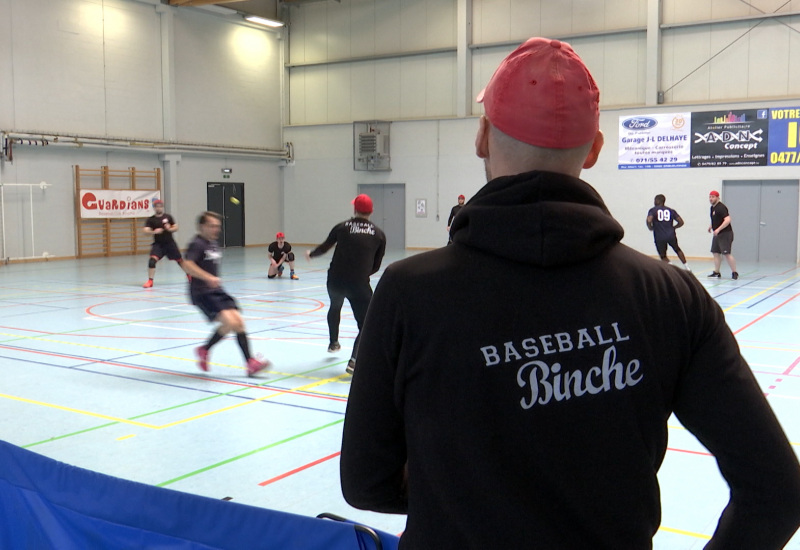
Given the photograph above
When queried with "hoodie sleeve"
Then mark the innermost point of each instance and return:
(721, 403)
(373, 444)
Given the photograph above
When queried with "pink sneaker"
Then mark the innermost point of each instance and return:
(256, 365)
(202, 357)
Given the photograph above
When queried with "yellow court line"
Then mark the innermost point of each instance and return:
(760, 293)
(79, 411)
(687, 533)
(171, 424)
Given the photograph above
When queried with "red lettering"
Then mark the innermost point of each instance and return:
(89, 201)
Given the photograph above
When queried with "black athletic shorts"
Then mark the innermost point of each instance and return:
(211, 303)
(170, 250)
(722, 243)
(661, 246)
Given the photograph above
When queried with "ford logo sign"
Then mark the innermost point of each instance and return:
(639, 123)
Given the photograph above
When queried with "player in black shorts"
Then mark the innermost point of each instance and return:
(360, 245)
(722, 241)
(161, 225)
(663, 221)
(280, 252)
(202, 263)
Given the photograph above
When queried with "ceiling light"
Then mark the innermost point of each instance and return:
(264, 21)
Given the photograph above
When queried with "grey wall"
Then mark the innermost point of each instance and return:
(144, 72)
(333, 81)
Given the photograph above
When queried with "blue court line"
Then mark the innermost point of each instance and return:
(774, 293)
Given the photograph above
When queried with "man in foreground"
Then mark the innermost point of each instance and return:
(529, 409)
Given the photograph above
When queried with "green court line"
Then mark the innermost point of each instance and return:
(174, 407)
(249, 453)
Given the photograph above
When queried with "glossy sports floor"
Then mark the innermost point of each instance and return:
(97, 372)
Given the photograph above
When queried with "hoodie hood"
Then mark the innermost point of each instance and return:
(540, 218)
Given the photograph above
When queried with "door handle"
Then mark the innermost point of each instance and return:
(762, 223)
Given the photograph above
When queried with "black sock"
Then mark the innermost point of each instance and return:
(216, 337)
(241, 337)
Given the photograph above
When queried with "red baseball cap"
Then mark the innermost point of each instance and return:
(363, 204)
(714, 194)
(461, 196)
(543, 94)
(280, 235)
(158, 201)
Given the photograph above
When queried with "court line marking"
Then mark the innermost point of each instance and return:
(760, 317)
(682, 532)
(299, 469)
(250, 453)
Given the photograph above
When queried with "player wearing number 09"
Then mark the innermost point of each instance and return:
(663, 221)
(202, 262)
(514, 388)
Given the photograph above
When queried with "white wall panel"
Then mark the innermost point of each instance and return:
(684, 52)
(683, 11)
(588, 16)
(624, 14)
(339, 93)
(387, 27)
(413, 89)
(315, 37)
(413, 25)
(440, 79)
(387, 89)
(297, 35)
(363, 91)
(338, 31)
(316, 91)
(58, 66)
(556, 18)
(362, 28)
(525, 19)
(6, 67)
(441, 24)
(624, 69)
(492, 21)
(729, 72)
(794, 60)
(132, 42)
(227, 82)
(297, 96)
(768, 51)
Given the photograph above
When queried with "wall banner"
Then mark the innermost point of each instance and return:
(654, 141)
(733, 138)
(783, 136)
(110, 203)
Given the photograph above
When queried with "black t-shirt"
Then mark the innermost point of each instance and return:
(155, 222)
(207, 256)
(360, 245)
(453, 211)
(277, 252)
(663, 219)
(718, 214)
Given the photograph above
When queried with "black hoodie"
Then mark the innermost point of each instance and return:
(526, 373)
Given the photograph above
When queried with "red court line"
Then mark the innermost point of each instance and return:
(90, 360)
(300, 469)
(757, 319)
(792, 366)
(690, 452)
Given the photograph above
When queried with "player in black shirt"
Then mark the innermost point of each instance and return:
(280, 251)
(202, 263)
(360, 246)
(453, 212)
(722, 241)
(663, 221)
(161, 225)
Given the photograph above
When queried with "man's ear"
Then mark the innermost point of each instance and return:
(594, 152)
(482, 139)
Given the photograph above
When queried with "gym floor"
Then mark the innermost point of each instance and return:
(97, 372)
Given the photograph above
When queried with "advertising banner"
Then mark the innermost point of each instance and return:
(111, 203)
(783, 140)
(733, 138)
(654, 141)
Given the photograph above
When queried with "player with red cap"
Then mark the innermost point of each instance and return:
(453, 212)
(360, 245)
(514, 389)
(722, 241)
(161, 226)
(280, 251)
